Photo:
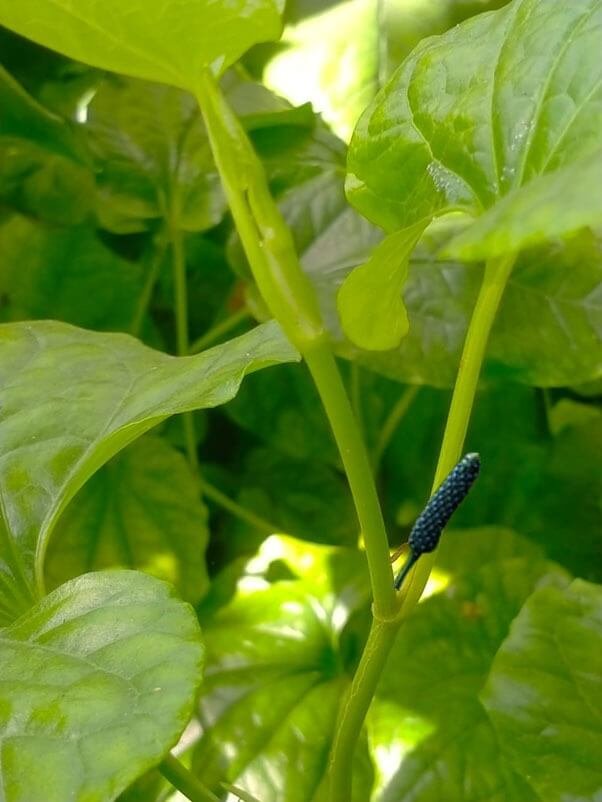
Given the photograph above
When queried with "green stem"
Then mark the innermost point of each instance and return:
(494, 282)
(391, 423)
(185, 781)
(248, 516)
(181, 314)
(356, 462)
(218, 331)
(356, 704)
(150, 280)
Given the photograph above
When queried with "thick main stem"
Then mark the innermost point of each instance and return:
(356, 704)
(291, 299)
(496, 276)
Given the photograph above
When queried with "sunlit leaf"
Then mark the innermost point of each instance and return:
(98, 682)
(480, 111)
(275, 675)
(170, 43)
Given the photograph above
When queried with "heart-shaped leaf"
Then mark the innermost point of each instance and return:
(167, 42)
(69, 400)
(543, 692)
(98, 682)
(480, 111)
(128, 516)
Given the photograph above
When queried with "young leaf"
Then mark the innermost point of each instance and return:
(70, 399)
(543, 692)
(171, 43)
(481, 111)
(127, 515)
(370, 305)
(98, 682)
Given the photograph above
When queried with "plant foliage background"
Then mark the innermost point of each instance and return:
(107, 184)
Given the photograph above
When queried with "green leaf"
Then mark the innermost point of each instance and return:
(332, 60)
(543, 693)
(154, 157)
(433, 676)
(168, 43)
(307, 499)
(25, 118)
(275, 675)
(70, 399)
(479, 112)
(372, 311)
(44, 165)
(283, 409)
(66, 274)
(127, 515)
(550, 206)
(98, 682)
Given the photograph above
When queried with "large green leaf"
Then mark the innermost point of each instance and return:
(154, 157)
(438, 665)
(69, 400)
(128, 515)
(480, 111)
(98, 682)
(65, 274)
(543, 692)
(169, 43)
(275, 674)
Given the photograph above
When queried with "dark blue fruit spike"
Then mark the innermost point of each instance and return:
(443, 503)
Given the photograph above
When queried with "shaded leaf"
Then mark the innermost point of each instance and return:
(67, 274)
(91, 694)
(141, 510)
(24, 118)
(543, 692)
(171, 44)
(283, 409)
(154, 156)
(71, 399)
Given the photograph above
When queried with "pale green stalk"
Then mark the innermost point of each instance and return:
(185, 781)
